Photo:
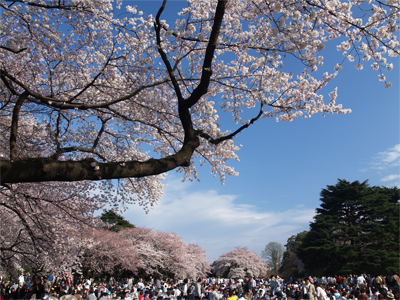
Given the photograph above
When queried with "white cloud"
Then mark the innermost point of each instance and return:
(384, 162)
(391, 177)
(389, 158)
(218, 223)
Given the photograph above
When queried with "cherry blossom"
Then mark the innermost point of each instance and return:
(239, 263)
(41, 225)
(160, 253)
(96, 106)
(118, 100)
(107, 251)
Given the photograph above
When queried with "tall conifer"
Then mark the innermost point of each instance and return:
(356, 230)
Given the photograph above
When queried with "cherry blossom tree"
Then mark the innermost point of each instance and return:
(196, 265)
(89, 94)
(239, 263)
(40, 225)
(162, 253)
(107, 251)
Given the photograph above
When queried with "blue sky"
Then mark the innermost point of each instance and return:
(284, 166)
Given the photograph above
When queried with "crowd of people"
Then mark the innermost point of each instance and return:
(363, 287)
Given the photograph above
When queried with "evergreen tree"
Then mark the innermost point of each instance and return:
(356, 230)
(118, 222)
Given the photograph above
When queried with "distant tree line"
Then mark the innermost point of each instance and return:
(355, 230)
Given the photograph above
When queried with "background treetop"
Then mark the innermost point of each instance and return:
(116, 221)
(355, 230)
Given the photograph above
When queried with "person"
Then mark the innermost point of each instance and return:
(27, 279)
(21, 280)
(127, 296)
(361, 282)
(363, 294)
(46, 285)
(51, 278)
(88, 284)
(343, 296)
(260, 293)
(308, 290)
(268, 295)
(232, 295)
(111, 282)
(104, 296)
(396, 282)
(37, 289)
(245, 296)
(158, 284)
(390, 295)
(91, 295)
(213, 295)
(67, 296)
(247, 285)
(321, 294)
(76, 294)
(197, 289)
(140, 285)
(396, 294)
(379, 283)
(276, 286)
(184, 288)
(19, 294)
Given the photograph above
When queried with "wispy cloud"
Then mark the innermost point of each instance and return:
(388, 159)
(217, 222)
(391, 177)
(387, 165)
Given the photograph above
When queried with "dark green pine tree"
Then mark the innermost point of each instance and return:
(356, 230)
(118, 222)
(381, 239)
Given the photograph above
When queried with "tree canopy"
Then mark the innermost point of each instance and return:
(41, 225)
(90, 93)
(291, 264)
(144, 251)
(239, 263)
(116, 221)
(273, 254)
(356, 230)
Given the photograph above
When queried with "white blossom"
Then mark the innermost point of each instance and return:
(338, 67)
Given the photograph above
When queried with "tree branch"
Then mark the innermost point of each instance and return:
(233, 134)
(43, 169)
(201, 89)
(56, 103)
(14, 126)
(13, 50)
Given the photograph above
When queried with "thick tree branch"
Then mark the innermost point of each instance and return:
(38, 170)
(157, 26)
(14, 126)
(201, 89)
